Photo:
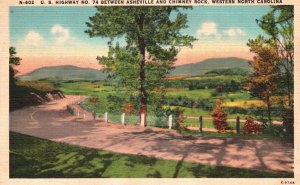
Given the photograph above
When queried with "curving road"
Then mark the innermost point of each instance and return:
(51, 121)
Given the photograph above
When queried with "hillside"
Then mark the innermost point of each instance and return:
(68, 72)
(205, 66)
(26, 93)
(65, 73)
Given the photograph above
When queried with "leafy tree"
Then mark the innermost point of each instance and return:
(278, 24)
(263, 80)
(13, 61)
(152, 38)
(278, 44)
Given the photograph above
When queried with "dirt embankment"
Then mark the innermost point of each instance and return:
(23, 96)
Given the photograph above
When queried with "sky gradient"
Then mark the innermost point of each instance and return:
(49, 36)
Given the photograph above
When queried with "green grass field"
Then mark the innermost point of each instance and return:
(99, 89)
(196, 112)
(207, 123)
(237, 96)
(217, 77)
(193, 94)
(191, 112)
(230, 134)
(241, 99)
(31, 157)
(87, 88)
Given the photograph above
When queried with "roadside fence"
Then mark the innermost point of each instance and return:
(86, 113)
(168, 121)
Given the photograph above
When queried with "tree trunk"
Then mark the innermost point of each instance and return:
(143, 93)
(142, 48)
(288, 78)
(269, 110)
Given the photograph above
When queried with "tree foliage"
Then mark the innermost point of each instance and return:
(228, 83)
(278, 25)
(263, 82)
(229, 71)
(14, 60)
(153, 38)
(251, 127)
(274, 59)
(219, 116)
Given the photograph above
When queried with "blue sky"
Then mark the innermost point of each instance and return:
(227, 17)
(56, 34)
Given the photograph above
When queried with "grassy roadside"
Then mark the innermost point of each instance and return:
(31, 157)
(234, 135)
(209, 124)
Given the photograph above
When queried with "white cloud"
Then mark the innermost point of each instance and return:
(33, 39)
(232, 32)
(209, 29)
(62, 35)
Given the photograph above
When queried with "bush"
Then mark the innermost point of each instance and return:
(115, 103)
(288, 121)
(205, 104)
(274, 130)
(219, 116)
(229, 83)
(183, 101)
(251, 127)
(178, 117)
(128, 108)
(238, 110)
(215, 93)
(94, 100)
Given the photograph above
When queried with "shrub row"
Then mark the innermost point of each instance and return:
(184, 101)
(226, 85)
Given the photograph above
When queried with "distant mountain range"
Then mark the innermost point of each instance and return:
(65, 73)
(200, 68)
(68, 72)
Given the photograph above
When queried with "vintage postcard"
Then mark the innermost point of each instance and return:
(149, 91)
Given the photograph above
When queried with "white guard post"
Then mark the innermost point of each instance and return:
(106, 117)
(123, 119)
(170, 121)
(142, 120)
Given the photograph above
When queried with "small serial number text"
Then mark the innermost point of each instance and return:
(287, 182)
(26, 2)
